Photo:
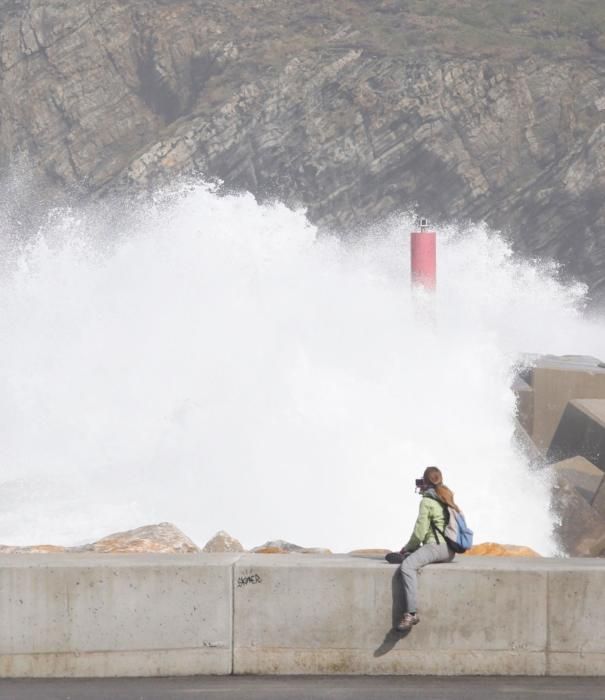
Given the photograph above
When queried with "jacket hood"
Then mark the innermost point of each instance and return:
(431, 493)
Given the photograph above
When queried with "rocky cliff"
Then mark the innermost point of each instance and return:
(467, 109)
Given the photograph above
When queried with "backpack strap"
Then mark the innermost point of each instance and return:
(437, 532)
(446, 517)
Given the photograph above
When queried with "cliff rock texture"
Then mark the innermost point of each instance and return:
(466, 109)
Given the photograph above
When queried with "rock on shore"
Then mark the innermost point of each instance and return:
(163, 538)
(493, 549)
(223, 542)
(284, 547)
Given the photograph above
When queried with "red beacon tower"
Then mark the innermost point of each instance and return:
(424, 256)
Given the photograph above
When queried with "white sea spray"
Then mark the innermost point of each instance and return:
(215, 363)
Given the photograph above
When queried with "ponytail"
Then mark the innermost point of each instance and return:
(434, 477)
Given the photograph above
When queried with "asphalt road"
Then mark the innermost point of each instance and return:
(305, 688)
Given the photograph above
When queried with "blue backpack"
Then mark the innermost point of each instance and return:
(457, 533)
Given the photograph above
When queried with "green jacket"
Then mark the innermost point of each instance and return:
(431, 511)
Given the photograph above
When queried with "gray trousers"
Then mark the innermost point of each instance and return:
(427, 554)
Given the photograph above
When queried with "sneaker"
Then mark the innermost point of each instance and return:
(407, 622)
(394, 557)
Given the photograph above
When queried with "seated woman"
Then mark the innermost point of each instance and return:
(427, 544)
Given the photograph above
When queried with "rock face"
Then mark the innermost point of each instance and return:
(223, 542)
(468, 110)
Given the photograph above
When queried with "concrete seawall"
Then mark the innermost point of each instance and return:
(118, 615)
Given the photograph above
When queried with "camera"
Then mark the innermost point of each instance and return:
(419, 483)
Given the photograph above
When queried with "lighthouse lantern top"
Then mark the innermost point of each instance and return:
(422, 223)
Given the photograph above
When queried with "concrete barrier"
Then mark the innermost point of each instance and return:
(479, 616)
(115, 615)
(331, 616)
(111, 615)
(576, 619)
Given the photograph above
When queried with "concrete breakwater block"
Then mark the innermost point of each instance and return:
(580, 528)
(581, 474)
(598, 502)
(544, 389)
(115, 615)
(581, 431)
(525, 402)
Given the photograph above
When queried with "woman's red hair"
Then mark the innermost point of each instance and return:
(434, 478)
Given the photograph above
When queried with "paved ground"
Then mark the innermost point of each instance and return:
(306, 688)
